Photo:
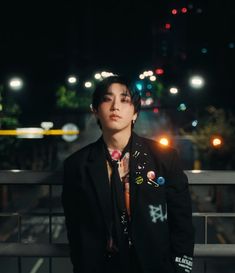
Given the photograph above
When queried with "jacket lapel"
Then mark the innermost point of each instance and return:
(97, 169)
(141, 162)
(135, 173)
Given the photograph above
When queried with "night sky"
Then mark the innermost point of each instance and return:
(44, 43)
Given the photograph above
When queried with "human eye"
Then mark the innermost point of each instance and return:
(106, 98)
(126, 99)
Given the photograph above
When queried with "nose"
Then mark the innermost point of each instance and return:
(115, 105)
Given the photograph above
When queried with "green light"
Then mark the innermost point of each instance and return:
(149, 86)
(139, 86)
(182, 107)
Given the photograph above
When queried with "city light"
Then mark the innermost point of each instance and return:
(47, 125)
(149, 86)
(184, 10)
(164, 141)
(159, 71)
(155, 110)
(88, 84)
(72, 80)
(146, 73)
(216, 141)
(204, 50)
(139, 86)
(149, 101)
(15, 83)
(98, 76)
(167, 26)
(67, 129)
(194, 123)
(231, 45)
(174, 90)
(153, 78)
(36, 132)
(106, 74)
(196, 82)
(150, 73)
(29, 132)
(182, 107)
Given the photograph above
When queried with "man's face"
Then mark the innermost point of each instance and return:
(116, 111)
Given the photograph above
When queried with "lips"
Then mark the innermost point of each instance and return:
(114, 117)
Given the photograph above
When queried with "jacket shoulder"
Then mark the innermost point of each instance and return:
(167, 155)
(159, 149)
(80, 155)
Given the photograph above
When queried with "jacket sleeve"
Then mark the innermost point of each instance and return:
(179, 210)
(69, 203)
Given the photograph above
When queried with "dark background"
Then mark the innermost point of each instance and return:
(45, 42)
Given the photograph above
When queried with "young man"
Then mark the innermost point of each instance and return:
(126, 199)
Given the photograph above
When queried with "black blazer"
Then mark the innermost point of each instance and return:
(161, 225)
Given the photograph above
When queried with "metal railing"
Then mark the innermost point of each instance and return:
(51, 249)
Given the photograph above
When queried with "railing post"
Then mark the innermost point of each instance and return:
(205, 263)
(50, 224)
(19, 241)
(205, 230)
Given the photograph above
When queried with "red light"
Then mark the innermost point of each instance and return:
(184, 10)
(155, 110)
(148, 94)
(167, 26)
(174, 11)
(159, 71)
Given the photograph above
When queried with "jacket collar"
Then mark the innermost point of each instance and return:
(97, 168)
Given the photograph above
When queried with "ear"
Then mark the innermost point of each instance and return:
(134, 117)
(93, 110)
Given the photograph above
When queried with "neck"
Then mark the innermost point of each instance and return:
(116, 141)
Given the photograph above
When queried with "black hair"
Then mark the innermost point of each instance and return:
(103, 86)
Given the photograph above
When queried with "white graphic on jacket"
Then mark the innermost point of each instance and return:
(185, 262)
(157, 214)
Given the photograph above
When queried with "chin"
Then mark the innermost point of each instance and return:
(115, 129)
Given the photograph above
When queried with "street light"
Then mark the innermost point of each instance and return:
(98, 76)
(164, 141)
(216, 141)
(72, 80)
(15, 84)
(196, 82)
(173, 90)
(88, 84)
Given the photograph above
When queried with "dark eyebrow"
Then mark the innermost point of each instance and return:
(126, 94)
(108, 93)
